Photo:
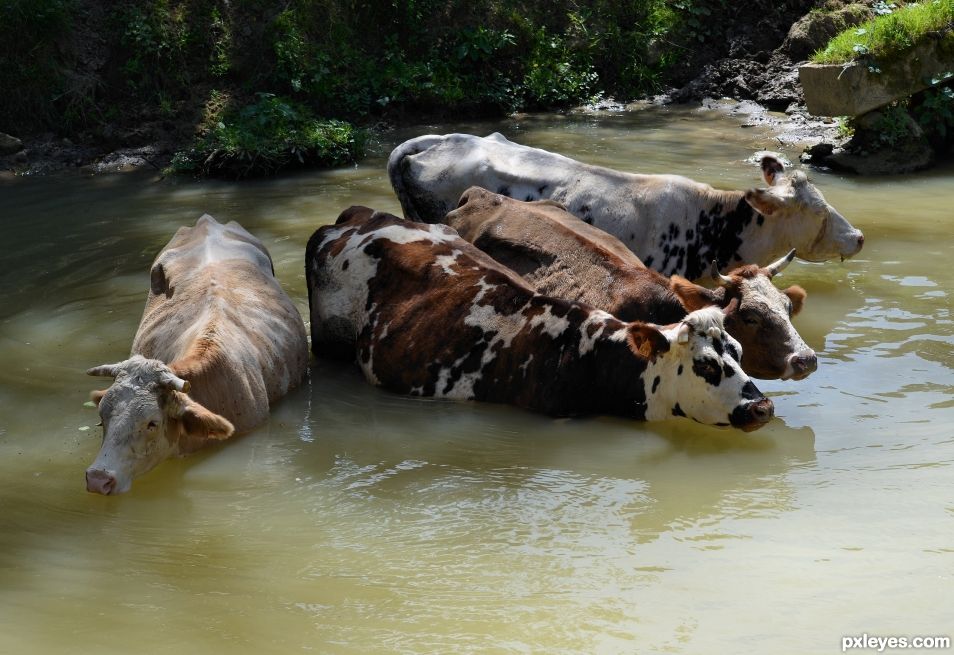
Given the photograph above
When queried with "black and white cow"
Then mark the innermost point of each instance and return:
(673, 224)
(426, 313)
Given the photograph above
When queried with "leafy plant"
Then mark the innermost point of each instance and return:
(268, 135)
(935, 113)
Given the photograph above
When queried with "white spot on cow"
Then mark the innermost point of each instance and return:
(526, 364)
(420, 232)
(446, 261)
(552, 325)
(597, 317)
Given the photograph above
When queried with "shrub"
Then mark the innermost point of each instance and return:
(272, 134)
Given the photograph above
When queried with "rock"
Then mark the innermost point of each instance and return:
(854, 88)
(9, 145)
(814, 30)
(908, 158)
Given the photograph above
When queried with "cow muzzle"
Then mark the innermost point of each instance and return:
(800, 365)
(855, 243)
(101, 481)
(753, 415)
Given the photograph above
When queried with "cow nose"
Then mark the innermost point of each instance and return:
(803, 363)
(99, 481)
(753, 415)
(861, 240)
(763, 410)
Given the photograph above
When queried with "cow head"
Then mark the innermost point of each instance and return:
(800, 214)
(759, 315)
(697, 374)
(145, 413)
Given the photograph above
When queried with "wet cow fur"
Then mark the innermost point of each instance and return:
(561, 256)
(219, 341)
(425, 313)
(673, 224)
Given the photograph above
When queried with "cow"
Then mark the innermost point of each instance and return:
(218, 343)
(425, 313)
(560, 255)
(673, 224)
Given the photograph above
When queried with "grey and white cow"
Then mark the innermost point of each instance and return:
(675, 225)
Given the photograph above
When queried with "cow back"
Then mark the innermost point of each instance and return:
(218, 316)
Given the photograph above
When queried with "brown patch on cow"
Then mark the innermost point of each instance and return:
(200, 423)
(646, 340)
(354, 212)
(797, 295)
(203, 355)
(691, 295)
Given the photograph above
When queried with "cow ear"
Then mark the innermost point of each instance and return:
(158, 283)
(797, 295)
(646, 340)
(692, 296)
(200, 422)
(97, 395)
(763, 201)
(772, 169)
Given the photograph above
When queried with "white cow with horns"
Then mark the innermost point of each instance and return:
(675, 225)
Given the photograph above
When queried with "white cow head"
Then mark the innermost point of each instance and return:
(798, 209)
(145, 414)
(699, 376)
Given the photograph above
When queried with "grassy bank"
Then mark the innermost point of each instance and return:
(891, 34)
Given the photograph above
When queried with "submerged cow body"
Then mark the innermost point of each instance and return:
(561, 256)
(219, 341)
(673, 224)
(426, 313)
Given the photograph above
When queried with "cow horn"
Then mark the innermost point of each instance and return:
(778, 266)
(105, 370)
(719, 278)
(174, 382)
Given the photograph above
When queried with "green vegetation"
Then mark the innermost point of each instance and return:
(891, 33)
(293, 72)
(268, 135)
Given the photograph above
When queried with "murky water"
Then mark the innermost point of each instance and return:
(358, 521)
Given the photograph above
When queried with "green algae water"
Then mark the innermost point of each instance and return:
(358, 521)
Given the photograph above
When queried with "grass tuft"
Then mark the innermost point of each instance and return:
(890, 34)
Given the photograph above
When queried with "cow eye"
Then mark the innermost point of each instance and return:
(152, 425)
(751, 320)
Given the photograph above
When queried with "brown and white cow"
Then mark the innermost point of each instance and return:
(426, 313)
(560, 255)
(219, 341)
(673, 224)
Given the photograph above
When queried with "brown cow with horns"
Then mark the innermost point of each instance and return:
(560, 255)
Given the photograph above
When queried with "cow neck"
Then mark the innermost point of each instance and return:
(723, 221)
(588, 369)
